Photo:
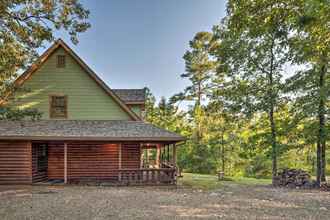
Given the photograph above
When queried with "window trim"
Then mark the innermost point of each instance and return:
(57, 61)
(66, 106)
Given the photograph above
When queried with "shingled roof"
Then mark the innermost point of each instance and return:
(131, 95)
(85, 130)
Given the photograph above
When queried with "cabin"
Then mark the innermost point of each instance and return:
(87, 131)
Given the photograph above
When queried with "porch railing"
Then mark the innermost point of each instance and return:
(147, 176)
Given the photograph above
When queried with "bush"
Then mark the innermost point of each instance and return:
(259, 167)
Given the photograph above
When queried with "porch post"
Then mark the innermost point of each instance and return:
(141, 155)
(158, 156)
(147, 156)
(119, 161)
(168, 153)
(65, 163)
(174, 155)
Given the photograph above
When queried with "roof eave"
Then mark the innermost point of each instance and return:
(67, 138)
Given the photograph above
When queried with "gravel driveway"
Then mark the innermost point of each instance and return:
(232, 201)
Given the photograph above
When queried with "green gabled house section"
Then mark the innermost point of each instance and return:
(88, 98)
(88, 132)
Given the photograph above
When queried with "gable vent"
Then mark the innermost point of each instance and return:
(60, 61)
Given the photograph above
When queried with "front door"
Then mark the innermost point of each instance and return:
(39, 162)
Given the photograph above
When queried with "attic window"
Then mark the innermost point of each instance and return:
(60, 61)
(58, 107)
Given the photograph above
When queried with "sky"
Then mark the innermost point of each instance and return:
(140, 43)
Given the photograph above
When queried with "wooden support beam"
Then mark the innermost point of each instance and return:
(174, 154)
(158, 156)
(119, 156)
(147, 157)
(168, 153)
(119, 160)
(65, 163)
(141, 155)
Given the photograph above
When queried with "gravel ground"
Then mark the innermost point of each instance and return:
(232, 201)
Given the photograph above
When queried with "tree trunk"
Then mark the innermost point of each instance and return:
(321, 162)
(318, 160)
(271, 114)
(274, 144)
(223, 153)
(198, 105)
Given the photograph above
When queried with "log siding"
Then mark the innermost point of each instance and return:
(131, 155)
(15, 162)
(87, 161)
(55, 161)
(92, 161)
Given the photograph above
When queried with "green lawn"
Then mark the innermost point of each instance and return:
(209, 182)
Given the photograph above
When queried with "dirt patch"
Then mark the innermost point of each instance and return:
(232, 201)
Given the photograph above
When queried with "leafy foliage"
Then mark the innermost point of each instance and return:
(251, 114)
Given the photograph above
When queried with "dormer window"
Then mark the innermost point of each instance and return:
(60, 61)
(58, 107)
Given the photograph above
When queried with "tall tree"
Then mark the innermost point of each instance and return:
(26, 25)
(311, 47)
(253, 51)
(199, 68)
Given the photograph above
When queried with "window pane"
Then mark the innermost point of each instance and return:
(58, 108)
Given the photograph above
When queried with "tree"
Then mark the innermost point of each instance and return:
(221, 132)
(199, 68)
(27, 25)
(253, 50)
(311, 47)
(165, 115)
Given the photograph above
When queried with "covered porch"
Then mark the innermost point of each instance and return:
(122, 152)
(120, 163)
(157, 165)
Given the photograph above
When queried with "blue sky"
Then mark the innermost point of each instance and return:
(138, 43)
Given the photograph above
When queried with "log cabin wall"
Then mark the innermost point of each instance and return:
(86, 160)
(131, 155)
(55, 161)
(92, 161)
(15, 162)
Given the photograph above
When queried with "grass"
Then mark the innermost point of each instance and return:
(210, 182)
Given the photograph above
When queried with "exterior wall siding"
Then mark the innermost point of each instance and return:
(55, 161)
(92, 161)
(86, 99)
(131, 156)
(86, 161)
(15, 162)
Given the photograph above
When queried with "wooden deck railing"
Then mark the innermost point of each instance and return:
(166, 164)
(147, 176)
